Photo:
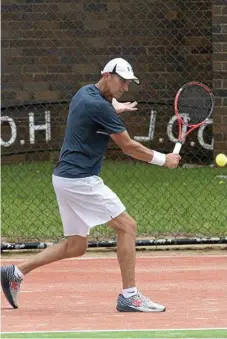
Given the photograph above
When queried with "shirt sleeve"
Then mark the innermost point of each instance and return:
(106, 117)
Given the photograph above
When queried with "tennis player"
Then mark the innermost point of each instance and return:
(83, 198)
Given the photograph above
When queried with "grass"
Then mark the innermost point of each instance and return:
(187, 202)
(124, 334)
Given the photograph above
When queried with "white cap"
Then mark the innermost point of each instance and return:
(122, 68)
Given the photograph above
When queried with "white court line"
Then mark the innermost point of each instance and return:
(128, 330)
(138, 257)
(154, 257)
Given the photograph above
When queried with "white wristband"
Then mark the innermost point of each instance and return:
(158, 158)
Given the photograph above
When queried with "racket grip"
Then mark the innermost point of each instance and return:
(177, 147)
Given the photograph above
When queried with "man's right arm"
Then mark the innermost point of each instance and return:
(140, 152)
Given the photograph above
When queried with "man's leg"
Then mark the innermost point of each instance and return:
(131, 300)
(125, 228)
(12, 276)
(74, 246)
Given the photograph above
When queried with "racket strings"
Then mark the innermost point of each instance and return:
(195, 103)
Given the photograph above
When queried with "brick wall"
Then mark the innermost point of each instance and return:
(49, 50)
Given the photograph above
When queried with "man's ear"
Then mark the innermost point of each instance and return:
(106, 75)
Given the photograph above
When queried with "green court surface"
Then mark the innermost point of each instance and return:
(203, 333)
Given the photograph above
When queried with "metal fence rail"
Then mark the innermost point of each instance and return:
(51, 49)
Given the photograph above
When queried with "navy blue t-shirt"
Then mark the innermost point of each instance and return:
(91, 120)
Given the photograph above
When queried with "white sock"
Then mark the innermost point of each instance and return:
(129, 292)
(18, 273)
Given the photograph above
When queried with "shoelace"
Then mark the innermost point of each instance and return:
(146, 299)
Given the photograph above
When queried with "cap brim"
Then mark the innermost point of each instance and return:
(129, 76)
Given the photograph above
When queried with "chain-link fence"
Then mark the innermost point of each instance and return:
(50, 49)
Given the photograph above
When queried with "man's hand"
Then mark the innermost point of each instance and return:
(172, 160)
(124, 107)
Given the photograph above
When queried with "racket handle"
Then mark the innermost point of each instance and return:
(177, 147)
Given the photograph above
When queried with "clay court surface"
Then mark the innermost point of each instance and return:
(80, 294)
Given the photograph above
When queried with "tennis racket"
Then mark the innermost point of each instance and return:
(193, 105)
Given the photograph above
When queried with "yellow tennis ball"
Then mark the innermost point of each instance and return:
(221, 160)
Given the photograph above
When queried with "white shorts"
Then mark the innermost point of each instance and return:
(85, 203)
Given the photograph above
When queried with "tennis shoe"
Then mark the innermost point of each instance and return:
(138, 303)
(10, 284)
(154, 306)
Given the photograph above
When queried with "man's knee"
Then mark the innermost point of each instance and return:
(124, 223)
(132, 227)
(76, 246)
